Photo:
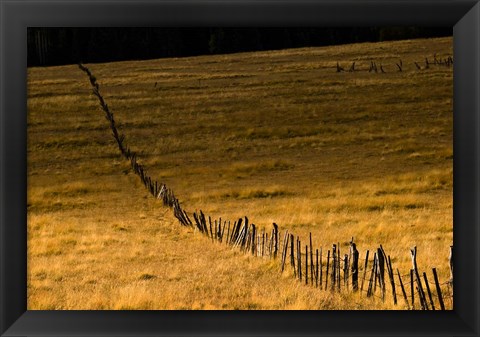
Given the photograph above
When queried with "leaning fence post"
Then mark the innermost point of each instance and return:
(292, 255)
(428, 290)
(421, 293)
(403, 289)
(236, 232)
(412, 291)
(231, 239)
(372, 276)
(364, 270)
(222, 230)
(311, 259)
(388, 262)
(204, 222)
(392, 280)
(381, 270)
(439, 291)
(284, 250)
(227, 239)
(238, 237)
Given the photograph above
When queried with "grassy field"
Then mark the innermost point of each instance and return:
(278, 136)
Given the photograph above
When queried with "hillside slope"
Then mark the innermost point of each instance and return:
(277, 136)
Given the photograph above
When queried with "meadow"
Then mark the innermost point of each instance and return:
(278, 136)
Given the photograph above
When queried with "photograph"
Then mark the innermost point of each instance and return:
(240, 168)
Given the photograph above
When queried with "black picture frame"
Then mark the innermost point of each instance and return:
(16, 16)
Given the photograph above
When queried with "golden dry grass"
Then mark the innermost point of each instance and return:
(277, 136)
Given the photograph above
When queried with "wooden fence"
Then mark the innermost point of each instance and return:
(326, 269)
(399, 66)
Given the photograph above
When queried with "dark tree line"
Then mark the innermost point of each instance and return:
(57, 46)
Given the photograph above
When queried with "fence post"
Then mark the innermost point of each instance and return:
(210, 223)
(254, 235)
(412, 291)
(345, 270)
(372, 276)
(354, 253)
(284, 251)
(403, 289)
(450, 259)
(338, 266)
(221, 229)
(275, 235)
(306, 264)
(263, 241)
(201, 217)
(326, 273)
(334, 265)
(227, 238)
(197, 222)
(439, 291)
(381, 270)
(244, 246)
(270, 245)
(364, 270)
(292, 255)
(299, 259)
(428, 290)
(237, 230)
(231, 235)
(392, 280)
(239, 237)
(249, 239)
(222, 235)
(259, 247)
(242, 236)
(245, 236)
(421, 293)
(321, 269)
(311, 260)
(388, 262)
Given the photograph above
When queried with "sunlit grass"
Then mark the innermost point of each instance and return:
(277, 136)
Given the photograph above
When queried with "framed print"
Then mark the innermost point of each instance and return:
(239, 168)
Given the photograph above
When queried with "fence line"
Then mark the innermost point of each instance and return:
(373, 68)
(246, 237)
